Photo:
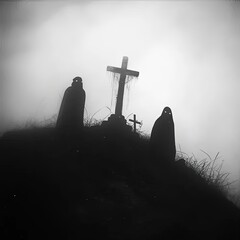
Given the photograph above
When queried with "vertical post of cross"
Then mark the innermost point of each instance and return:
(119, 104)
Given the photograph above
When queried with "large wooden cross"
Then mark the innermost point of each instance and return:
(123, 71)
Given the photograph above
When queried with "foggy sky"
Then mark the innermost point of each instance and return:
(187, 53)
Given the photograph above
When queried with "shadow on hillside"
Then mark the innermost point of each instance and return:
(94, 184)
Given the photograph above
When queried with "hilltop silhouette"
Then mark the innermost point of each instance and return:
(105, 182)
(93, 184)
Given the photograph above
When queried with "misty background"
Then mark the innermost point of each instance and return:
(187, 53)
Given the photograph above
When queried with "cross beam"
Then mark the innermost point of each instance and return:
(123, 71)
(135, 122)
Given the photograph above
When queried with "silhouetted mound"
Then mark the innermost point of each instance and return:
(95, 184)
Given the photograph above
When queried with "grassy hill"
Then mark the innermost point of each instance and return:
(99, 184)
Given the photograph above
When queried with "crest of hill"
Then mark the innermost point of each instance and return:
(98, 182)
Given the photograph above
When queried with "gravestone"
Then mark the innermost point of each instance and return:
(72, 108)
(162, 141)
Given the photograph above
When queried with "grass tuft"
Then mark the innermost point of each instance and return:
(208, 169)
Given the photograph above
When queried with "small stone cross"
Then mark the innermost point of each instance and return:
(135, 122)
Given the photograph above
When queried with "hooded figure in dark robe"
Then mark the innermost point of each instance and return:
(162, 142)
(72, 108)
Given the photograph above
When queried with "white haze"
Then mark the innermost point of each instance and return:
(187, 53)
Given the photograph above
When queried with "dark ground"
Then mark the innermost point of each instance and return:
(98, 185)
